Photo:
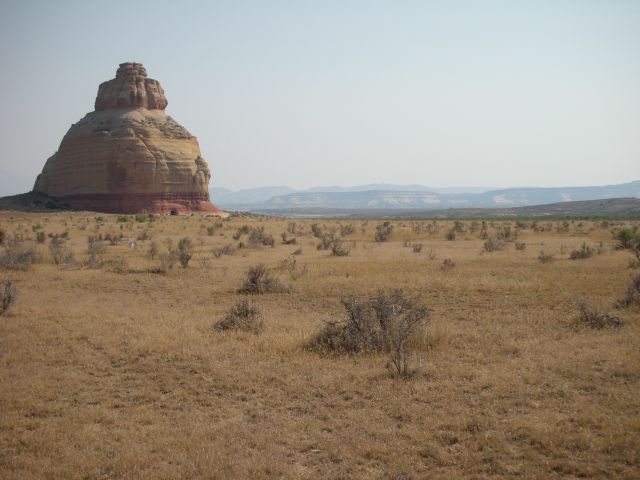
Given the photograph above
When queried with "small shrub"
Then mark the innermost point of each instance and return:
(291, 265)
(390, 323)
(595, 319)
(505, 233)
(95, 251)
(258, 237)
(18, 256)
(297, 251)
(346, 230)
(167, 261)
(7, 296)
(3, 236)
(520, 246)
(142, 236)
(60, 253)
(286, 240)
(117, 265)
(492, 244)
(545, 257)
(383, 232)
(40, 236)
(451, 235)
(447, 264)
(243, 316)
(184, 251)
(153, 250)
(338, 249)
(417, 247)
(632, 295)
(585, 251)
(625, 238)
(243, 230)
(227, 249)
(326, 239)
(258, 281)
(316, 231)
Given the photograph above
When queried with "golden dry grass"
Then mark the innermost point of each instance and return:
(118, 373)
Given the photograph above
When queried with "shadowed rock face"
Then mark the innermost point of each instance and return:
(128, 156)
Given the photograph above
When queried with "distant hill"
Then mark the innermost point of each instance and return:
(224, 197)
(616, 207)
(385, 196)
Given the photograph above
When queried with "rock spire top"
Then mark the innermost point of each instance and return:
(131, 89)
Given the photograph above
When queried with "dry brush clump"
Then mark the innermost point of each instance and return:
(545, 257)
(184, 252)
(388, 322)
(383, 232)
(586, 251)
(60, 253)
(632, 295)
(18, 256)
(594, 318)
(493, 244)
(243, 316)
(7, 296)
(258, 280)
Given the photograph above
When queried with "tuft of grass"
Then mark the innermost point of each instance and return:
(243, 316)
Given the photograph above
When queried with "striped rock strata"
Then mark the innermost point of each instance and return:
(129, 156)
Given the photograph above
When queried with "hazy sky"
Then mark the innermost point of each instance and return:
(307, 93)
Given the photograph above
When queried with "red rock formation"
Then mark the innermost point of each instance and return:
(128, 156)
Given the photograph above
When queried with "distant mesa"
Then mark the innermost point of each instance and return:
(129, 156)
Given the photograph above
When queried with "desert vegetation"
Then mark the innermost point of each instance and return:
(195, 347)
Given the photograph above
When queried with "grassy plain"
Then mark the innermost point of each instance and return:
(116, 371)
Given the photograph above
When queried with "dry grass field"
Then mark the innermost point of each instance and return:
(111, 367)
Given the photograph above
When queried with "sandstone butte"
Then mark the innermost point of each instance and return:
(129, 156)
